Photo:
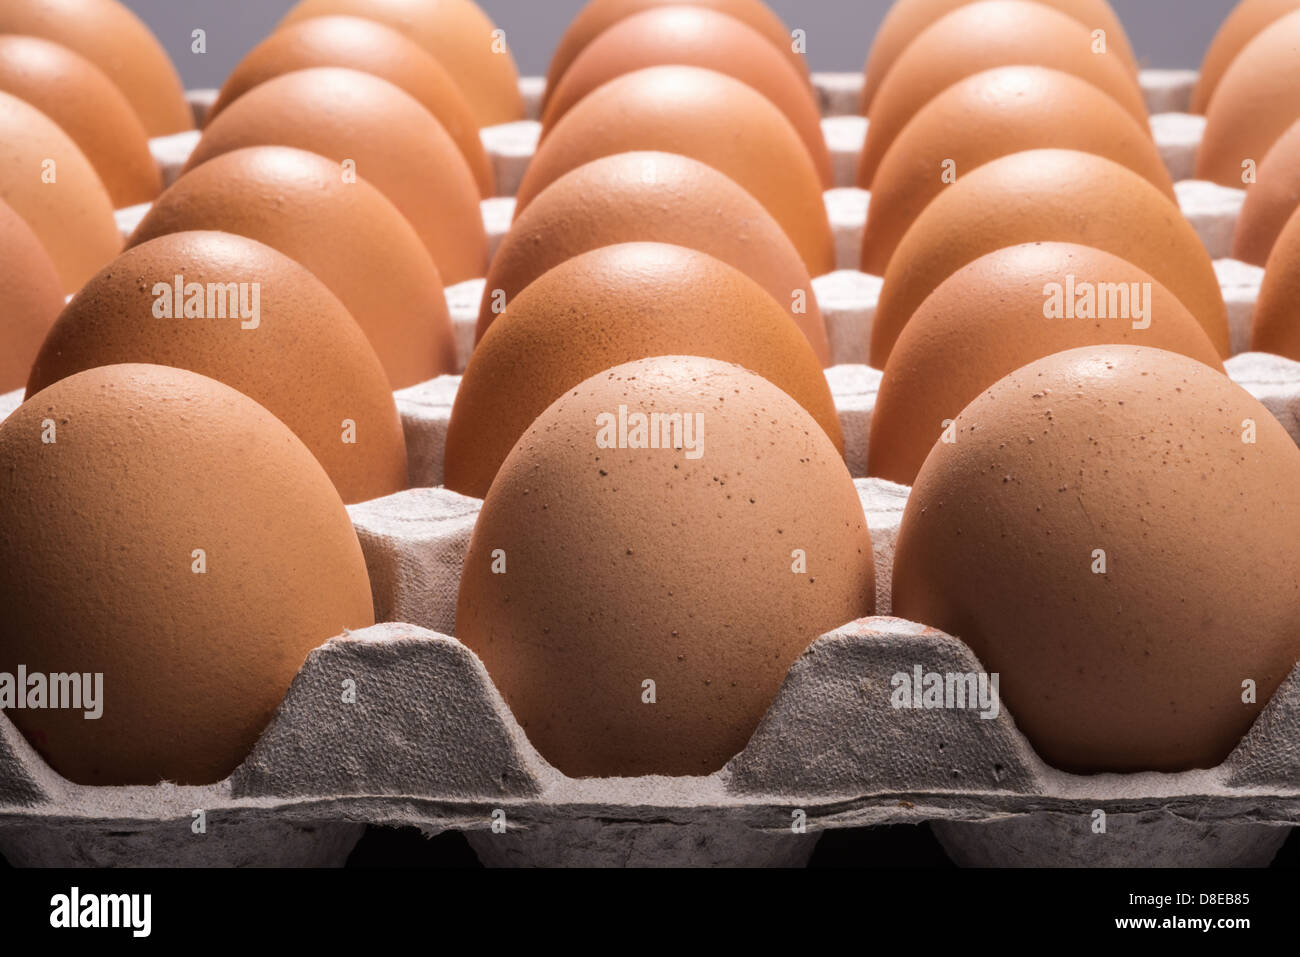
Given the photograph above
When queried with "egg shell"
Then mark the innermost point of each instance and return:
(627, 565)
(613, 305)
(654, 197)
(98, 534)
(1049, 196)
(980, 36)
(908, 19)
(51, 184)
(347, 234)
(370, 47)
(392, 140)
(1254, 104)
(600, 15)
(991, 114)
(1135, 457)
(85, 103)
(1276, 321)
(458, 34)
(298, 353)
(695, 36)
(1270, 201)
(710, 117)
(113, 38)
(32, 295)
(991, 317)
(1247, 20)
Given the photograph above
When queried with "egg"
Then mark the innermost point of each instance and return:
(980, 36)
(83, 101)
(114, 39)
(148, 542)
(1253, 106)
(601, 571)
(709, 117)
(32, 295)
(908, 19)
(1247, 20)
(375, 130)
(370, 47)
(1113, 532)
(695, 36)
(1049, 196)
(1270, 201)
(1006, 310)
(239, 312)
(653, 197)
(600, 15)
(458, 34)
(346, 233)
(613, 305)
(49, 182)
(992, 114)
(1276, 323)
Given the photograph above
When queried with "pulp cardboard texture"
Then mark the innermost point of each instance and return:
(428, 742)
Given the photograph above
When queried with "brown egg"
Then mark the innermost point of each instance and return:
(908, 19)
(113, 38)
(1006, 310)
(1104, 538)
(49, 182)
(347, 234)
(992, 114)
(709, 117)
(599, 15)
(386, 136)
(1246, 21)
(460, 37)
(81, 99)
(1270, 201)
(370, 47)
(609, 306)
(1059, 196)
(700, 568)
(653, 197)
(1253, 105)
(230, 308)
(980, 36)
(32, 297)
(1276, 323)
(695, 36)
(150, 543)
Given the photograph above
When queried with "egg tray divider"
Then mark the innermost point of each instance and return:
(431, 744)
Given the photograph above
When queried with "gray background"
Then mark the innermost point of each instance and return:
(1165, 33)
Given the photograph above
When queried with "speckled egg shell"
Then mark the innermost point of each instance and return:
(1006, 310)
(458, 34)
(1276, 325)
(299, 354)
(1247, 20)
(627, 565)
(346, 115)
(709, 117)
(85, 103)
(610, 306)
(113, 38)
(992, 114)
(980, 36)
(1270, 201)
(695, 36)
(370, 47)
(347, 234)
(1049, 196)
(653, 197)
(1095, 534)
(32, 297)
(101, 534)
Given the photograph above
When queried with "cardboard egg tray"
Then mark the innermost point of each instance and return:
(429, 743)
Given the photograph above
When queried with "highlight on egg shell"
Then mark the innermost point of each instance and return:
(1248, 19)
(32, 295)
(1270, 201)
(1276, 325)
